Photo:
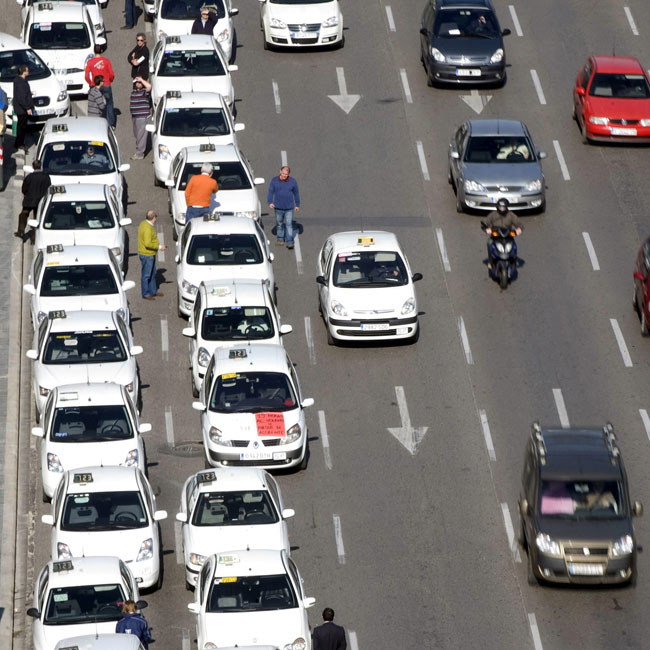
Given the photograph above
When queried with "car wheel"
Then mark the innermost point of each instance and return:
(148, 18)
(542, 207)
(156, 182)
(532, 578)
(583, 133)
(644, 323)
(174, 232)
(265, 44)
(450, 178)
(460, 205)
(415, 338)
(46, 499)
(522, 534)
(178, 305)
(188, 586)
(303, 462)
(340, 45)
(330, 339)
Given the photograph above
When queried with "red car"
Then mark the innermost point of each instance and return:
(642, 287)
(611, 100)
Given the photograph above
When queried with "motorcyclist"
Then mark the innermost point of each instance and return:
(502, 218)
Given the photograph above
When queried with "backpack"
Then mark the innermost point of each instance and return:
(4, 102)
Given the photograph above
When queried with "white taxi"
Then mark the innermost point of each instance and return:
(78, 597)
(225, 313)
(365, 288)
(88, 424)
(233, 172)
(82, 346)
(189, 63)
(78, 214)
(81, 150)
(187, 119)
(63, 34)
(217, 248)
(249, 597)
(102, 510)
(48, 92)
(94, 9)
(230, 508)
(76, 278)
(101, 642)
(252, 410)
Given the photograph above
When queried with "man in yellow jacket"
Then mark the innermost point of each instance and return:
(148, 246)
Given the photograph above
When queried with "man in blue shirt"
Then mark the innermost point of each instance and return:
(284, 198)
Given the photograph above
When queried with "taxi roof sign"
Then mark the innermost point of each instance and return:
(173, 94)
(57, 189)
(173, 39)
(54, 248)
(44, 6)
(211, 216)
(237, 353)
(365, 241)
(58, 128)
(70, 647)
(207, 147)
(84, 477)
(58, 313)
(63, 565)
(206, 477)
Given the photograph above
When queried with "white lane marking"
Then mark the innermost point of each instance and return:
(298, 252)
(178, 539)
(283, 158)
(510, 532)
(164, 337)
(310, 341)
(515, 20)
(391, 21)
(627, 360)
(186, 632)
(561, 407)
(560, 159)
(592, 251)
(538, 87)
(354, 644)
(630, 20)
(646, 421)
(465, 340)
(340, 550)
(161, 241)
(487, 435)
(443, 250)
(169, 426)
(324, 439)
(405, 85)
(423, 161)
(534, 630)
(276, 96)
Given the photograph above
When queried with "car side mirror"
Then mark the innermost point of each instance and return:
(271, 257)
(124, 167)
(142, 604)
(30, 289)
(150, 128)
(638, 509)
(48, 520)
(145, 427)
(309, 602)
(258, 181)
(195, 608)
(455, 155)
(307, 402)
(639, 276)
(27, 169)
(287, 513)
(190, 332)
(416, 277)
(100, 40)
(580, 91)
(524, 508)
(32, 354)
(127, 285)
(159, 515)
(423, 31)
(169, 182)
(234, 11)
(321, 280)
(182, 517)
(177, 259)
(136, 350)
(285, 329)
(240, 127)
(506, 32)
(233, 68)
(32, 223)
(542, 154)
(127, 221)
(39, 432)
(198, 406)
(33, 612)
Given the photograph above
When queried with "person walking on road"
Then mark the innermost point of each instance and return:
(96, 99)
(329, 635)
(205, 23)
(138, 57)
(23, 105)
(199, 191)
(100, 65)
(34, 188)
(140, 105)
(148, 246)
(284, 198)
(134, 623)
(130, 17)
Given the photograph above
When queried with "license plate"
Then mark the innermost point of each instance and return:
(279, 455)
(255, 455)
(297, 35)
(468, 72)
(374, 327)
(619, 131)
(69, 82)
(41, 112)
(511, 199)
(586, 569)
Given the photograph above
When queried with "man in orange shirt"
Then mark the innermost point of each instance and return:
(199, 191)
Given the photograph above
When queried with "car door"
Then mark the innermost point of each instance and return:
(579, 96)
(190, 496)
(206, 386)
(324, 266)
(642, 288)
(202, 590)
(425, 32)
(457, 146)
(195, 322)
(528, 491)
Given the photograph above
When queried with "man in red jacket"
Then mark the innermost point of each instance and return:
(100, 65)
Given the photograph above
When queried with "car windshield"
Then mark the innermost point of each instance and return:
(191, 63)
(229, 175)
(78, 280)
(189, 9)
(232, 323)
(251, 594)
(583, 499)
(64, 348)
(628, 86)
(84, 604)
(59, 36)
(254, 392)
(194, 122)
(10, 60)
(363, 269)
(94, 511)
(77, 158)
(234, 509)
(499, 149)
(103, 423)
(468, 23)
(78, 215)
(224, 250)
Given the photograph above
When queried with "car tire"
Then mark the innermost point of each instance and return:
(178, 305)
(503, 277)
(156, 182)
(521, 538)
(188, 586)
(542, 207)
(330, 339)
(159, 583)
(460, 205)
(148, 18)
(450, 178)
(531, 576)
(46, 499)
(174, 232)
(265, 44)
(583, 133)
(303, 463)
(645, 331)
(340, 45)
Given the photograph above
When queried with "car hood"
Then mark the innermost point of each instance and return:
(124, 543)
(49, 87)
(120, 372)
(91, 237)
(175, 144)
(307, 13)
(617, 109)
(92, 454)
(467, 46)
(502, 173)
(195, 274)
(52, 634)
(108, 302)
(235, 201)
(112, 178)
(207, 540)
(242, 426)
(372, 303)
(584, 530)
(221, 84)
(64, 59)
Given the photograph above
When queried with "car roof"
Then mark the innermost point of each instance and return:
(91, 394)
(109, 478)
(113, 641)
(86, 571)
(260, 357)
(189, 42)
(221, 153)
(253, 563)
(350, 240)
(201, 99)
(231, 479)
(9, 43)
(80, 127)
(57, 11)
(72, 255)
(497, 127)
(223, 293)
(618, 64)
(79, 192)
(224, 225)
(444, 4)
(91, 320)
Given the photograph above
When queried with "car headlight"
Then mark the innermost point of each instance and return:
(203, 357)
(338, 308)
(190, 288)
(278, 24)
(332, 21)
(623, 546)
(437, 55)
(251, 214)
(132, 458)
(216, 436)
(223, 36)
(602, 121)
(293, 434)
(62, 96)
(41, 316)
(298, 644)
(209, 646)
(129, 387)
(114, 188)
(43, 392)
(146, 550)
(473, 186)
(163, 152)
(117, 251)
(196, 559)
(497, 57)
(54, 464)
(644, 122)
(547, 545)
(63, 551)
(408, 307)
(535, 186)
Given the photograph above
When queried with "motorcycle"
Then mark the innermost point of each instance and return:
(502, 260)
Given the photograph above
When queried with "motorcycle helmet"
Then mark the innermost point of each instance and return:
(502, 205)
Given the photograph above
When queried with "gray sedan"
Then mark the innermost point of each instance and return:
(494, 159)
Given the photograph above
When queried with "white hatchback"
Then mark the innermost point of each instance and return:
(101, 642)
(94, 9)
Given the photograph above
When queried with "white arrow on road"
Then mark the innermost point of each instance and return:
(409, 436)
(343, 100)
(475, 101)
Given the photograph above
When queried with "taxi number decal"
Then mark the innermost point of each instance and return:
(270, 424)
(52, 264)
(96, 143)
(229, 375)
(228, 579)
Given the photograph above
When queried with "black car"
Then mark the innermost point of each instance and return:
(575, 509)
(461, 42)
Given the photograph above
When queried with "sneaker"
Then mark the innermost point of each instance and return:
(279, 243)
(149, 297)
(289, 246)
(136, 156)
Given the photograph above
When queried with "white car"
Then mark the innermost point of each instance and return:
(81, 215)
(101, 642)
(225, 313)
(308, 23)
(94, 9)
(217, 248)
(76, 278)
(249, 597)
(230, 508)
(252, 410)
(108, 510)
(190, 63)
(88, 424)
(79, 597)
(81, 150)
(232, 170)
(62, 33)
(187, 119)
(48, 92)
(82, 346)
(365, 288)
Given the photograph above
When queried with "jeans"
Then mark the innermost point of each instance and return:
(129, 13)
(284, 219)
(107, 91)
(192, 212)
(140, 133)
(148, 278)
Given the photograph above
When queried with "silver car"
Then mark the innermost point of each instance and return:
(494, 159)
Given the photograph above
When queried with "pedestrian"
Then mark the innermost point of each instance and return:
(284, 198)
(139, 57)
(4, 103)
(205, 23)
(23, 105)
(96, 99)
(132, 622)
(34, 188)
(148, 246)
(199, 191)
(140, 104)
(329, 635)
(130, 17)
(100, 65)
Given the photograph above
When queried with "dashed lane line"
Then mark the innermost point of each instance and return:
(391, 20)
(560, 158)
(354, 642)
(561, 408)
(178, 540)
(510, 533)
(630, 20)
(465, 341)
(534, 630)
(164, 337)
(340, 549)
(487, 435)
(443, 250)
(646, 422)
(627, 360)
(405, 85)
(591, 251)
(298, 252)
(324, 439)
(515, 20)
(538, 87)
(276, 96)
(423, 161)
(169, 426)
(310, 341)
(283, 158)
